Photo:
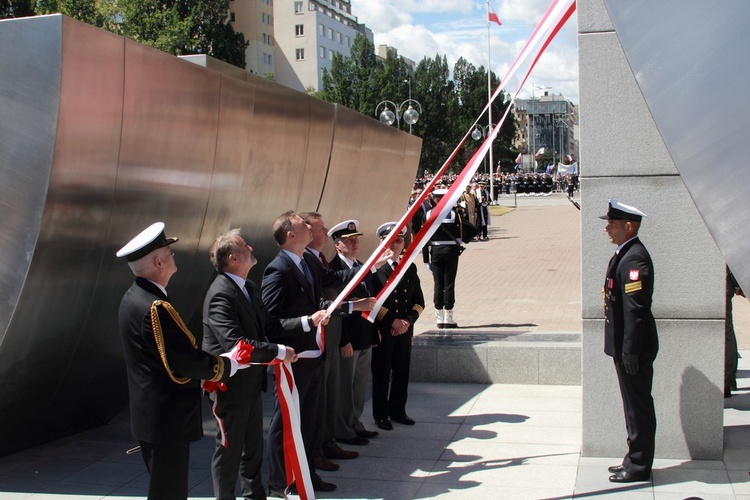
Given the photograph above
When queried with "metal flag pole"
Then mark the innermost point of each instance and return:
(489, 100)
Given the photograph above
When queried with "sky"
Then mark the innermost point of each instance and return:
(458, 28)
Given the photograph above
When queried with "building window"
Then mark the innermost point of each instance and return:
(321, 30)
(348, 41)
(298, 7)
(299, 29)
(300, 54)
(339, 37)
(322, 52)
(231, 17)
(330, 33)
(311, 6)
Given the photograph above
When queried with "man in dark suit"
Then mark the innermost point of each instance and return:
(391, 356)
(292, 293)
(233, 311)
(326, 446)
(630, 337)
(164, 366)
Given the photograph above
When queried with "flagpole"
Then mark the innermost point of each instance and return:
(489, 101)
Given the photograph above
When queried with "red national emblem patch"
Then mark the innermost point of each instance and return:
(635, 274)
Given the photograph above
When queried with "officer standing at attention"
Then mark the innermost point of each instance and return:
(445, 248)
(630, 337)
(391, 357)
(164, 366)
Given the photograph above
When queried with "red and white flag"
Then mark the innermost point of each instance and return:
(540, 152)
(491, 16)
(519, 158)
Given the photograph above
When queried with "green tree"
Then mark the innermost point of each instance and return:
(175, 26)
(352, 80)
(16, 8)
(434, 89)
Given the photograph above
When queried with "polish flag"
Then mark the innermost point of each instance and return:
(540, 152)
(492, 17)
(519, 158)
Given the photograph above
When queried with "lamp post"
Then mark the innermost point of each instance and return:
(388, 116)
(479, 132)
(410, 116)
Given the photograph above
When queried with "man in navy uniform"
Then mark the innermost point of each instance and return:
(445, 248)
(355, 345)
(391, 356)
(164, 366)
(630, 337)
(233, 311)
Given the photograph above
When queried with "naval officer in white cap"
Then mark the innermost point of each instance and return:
(630, 337)
(164, 366)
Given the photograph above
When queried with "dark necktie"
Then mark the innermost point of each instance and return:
(248, 294)
(306, 271)
(323, 260)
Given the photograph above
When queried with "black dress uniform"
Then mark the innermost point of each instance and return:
(165, 366)
(445, 249)
(630, 330)
(391, 357)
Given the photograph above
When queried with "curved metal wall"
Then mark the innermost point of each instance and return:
(99, 137)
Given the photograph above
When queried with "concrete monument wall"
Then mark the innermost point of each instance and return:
(623, 156)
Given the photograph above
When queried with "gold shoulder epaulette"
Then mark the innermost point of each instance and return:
(159, 336)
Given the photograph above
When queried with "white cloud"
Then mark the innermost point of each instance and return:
(458, 28)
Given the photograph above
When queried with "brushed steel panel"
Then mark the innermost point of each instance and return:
(48, 328)
(100, 137)
(686, 57)
(29, 100)
(169, 131)
(371, 175)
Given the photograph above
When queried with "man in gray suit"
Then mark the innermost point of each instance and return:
(233, 311)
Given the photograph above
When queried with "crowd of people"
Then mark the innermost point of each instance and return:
(248, 332)
(520, 183)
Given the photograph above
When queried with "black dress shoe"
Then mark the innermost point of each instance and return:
(338, 453)
(404, 419)
(626, 477)
(616, 468)
(384, 423)
(320, 485)
(355, 441)
(326, 465)
(368, 434)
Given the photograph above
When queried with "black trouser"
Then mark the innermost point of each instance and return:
(167, 465)
(391, 361)
(640, 416)
(444, 265)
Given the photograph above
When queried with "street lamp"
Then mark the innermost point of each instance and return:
(410, 115)
(478, 133)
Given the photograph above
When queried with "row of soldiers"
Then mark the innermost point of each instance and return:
(246, 329)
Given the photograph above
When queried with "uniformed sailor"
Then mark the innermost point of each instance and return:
(391, 357)
(630, 337)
